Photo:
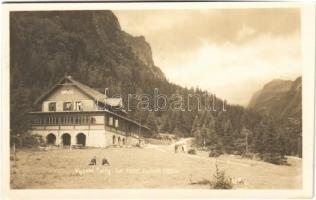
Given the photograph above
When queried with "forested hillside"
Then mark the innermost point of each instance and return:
(281, 100)
(90, 45)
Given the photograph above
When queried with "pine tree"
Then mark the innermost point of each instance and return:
(212, 134)
(228, 137)
(151, 122)
(195, 125)
(257, 143)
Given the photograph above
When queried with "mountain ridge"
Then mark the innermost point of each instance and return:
(280, 98)
(92, 48)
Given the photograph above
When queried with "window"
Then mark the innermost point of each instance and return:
(67, 106)
(116, 123)
(79, 106)
(52, 106)
(92, 120)
(86, 120)
(111, 121)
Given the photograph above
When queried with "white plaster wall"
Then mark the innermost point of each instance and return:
(109, 139)
(61, 95)
(94, 137)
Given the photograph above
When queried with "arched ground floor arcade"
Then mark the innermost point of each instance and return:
(86, 138)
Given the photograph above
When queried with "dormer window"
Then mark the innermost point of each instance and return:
(79, 106)
(67, 106)
(52, 106)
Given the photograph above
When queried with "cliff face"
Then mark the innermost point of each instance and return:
(143, 51)
(280, 98)
(89, 45)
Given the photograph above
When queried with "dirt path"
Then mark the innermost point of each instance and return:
(200, 155)
(234, 160)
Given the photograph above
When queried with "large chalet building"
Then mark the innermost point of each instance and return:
(75, 114)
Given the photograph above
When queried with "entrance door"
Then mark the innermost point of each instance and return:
(66, 139)
(81, 139)
(51, 139)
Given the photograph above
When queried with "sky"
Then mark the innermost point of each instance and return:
(229, 52)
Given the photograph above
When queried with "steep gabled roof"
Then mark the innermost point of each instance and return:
(94, 94)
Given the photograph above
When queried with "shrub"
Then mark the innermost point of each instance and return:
(192, 151)
(203, 148)
(220, 181)
(274, 158)
(236, 153)
(248, 155)
(214, 153)
(32, 140)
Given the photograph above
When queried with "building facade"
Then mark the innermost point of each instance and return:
(75, 114)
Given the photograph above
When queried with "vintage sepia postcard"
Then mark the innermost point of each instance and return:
(158, 100)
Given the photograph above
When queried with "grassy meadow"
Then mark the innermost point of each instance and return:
(154, 166)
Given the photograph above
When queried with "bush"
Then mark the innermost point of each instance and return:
(274, 158)
(192, 151)
(237, 153)
(203, 148)
(215, 153)
(248, 155)
(220, 181)
(28, 140)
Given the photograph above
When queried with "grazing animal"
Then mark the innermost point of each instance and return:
(93, 161)
(105, 161)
